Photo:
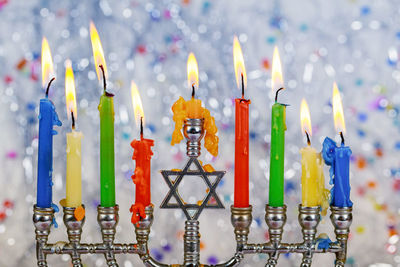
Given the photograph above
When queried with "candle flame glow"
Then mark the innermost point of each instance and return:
(70, 90)
(239, 64)
(192, 71)
(338, 115)
(98, 53)
(137, 104)
(305, 118)
(47, 63)
(277, 77)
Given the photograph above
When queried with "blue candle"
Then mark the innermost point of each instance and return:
(339, 160)
(47, 119)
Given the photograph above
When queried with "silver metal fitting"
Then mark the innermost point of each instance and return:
(309, 218)
(241, 219)
(341, 219)
(42, 220)
(74, 231)
(193, 130)
(191, 239)
(275, 217)
(108, 218)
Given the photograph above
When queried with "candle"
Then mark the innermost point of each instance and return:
(48, 118)
(142, 155)
(312, 176)
(74, 165)
(241, 195)
(338, 157)
(106, 109)
(278, 128)
(193, 109)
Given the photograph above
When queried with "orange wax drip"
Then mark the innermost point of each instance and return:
(241, 196)
(192, 109)
(141, 178)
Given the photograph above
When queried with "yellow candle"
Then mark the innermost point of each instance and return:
(74, 166)
(312, 176)
(74, 173)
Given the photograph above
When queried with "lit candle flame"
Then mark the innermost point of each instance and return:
(239, 64)
(137, 104)
(98, 53)
(337, 107)
(277, 78)
(70, 90)
(47, 63)
(192, 71)
(305, 118)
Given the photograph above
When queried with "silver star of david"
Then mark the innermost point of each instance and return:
(192, 211)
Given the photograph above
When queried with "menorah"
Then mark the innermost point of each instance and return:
(241, 218)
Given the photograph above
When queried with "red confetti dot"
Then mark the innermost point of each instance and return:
(8, 204)
(3, 216)
(8, 79)
(141, 49)
(361, 191)
(396, 185)
(266, 235)
(265, 63)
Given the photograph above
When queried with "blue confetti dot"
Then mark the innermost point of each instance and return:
(212, 259)
(362, 117)
(31, 106)
(155, 15)
(253, 135)
(167, 247)
(221, 183)
(303, 27)
(227, 198)
(126, 136)
(157, 254)
(206, 6)
(359, 82)
(271, 39)
(289, 186)
(152, 128)
(398, 35)
(365, 10)
(360, 133)
(397, 145)
(391, 62)
(36, 55)
(258, 221)
(275, 22)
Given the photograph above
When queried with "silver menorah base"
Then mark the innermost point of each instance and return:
(241, 218)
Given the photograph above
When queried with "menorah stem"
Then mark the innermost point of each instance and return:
(309, 218)
(275, 217)
(191, 240)
(107, 218)
(74, 231)
(341, 219)
(241, 219)
(42, 220)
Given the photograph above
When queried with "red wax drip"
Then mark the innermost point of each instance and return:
(141, 178)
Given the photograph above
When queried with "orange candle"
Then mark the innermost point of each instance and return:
(142, 155)
(241, 195)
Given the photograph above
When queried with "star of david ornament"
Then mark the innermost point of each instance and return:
(192, 168)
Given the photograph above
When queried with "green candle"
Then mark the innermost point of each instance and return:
(278, 128)
(107, 169)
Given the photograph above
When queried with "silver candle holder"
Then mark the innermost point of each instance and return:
(241, 219)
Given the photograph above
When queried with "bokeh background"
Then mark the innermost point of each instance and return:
(353, 42)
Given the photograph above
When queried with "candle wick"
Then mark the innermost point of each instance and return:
(342, 137)
(73, 120)
(48, 86)
(277, 92)
(242, 85)
(141, 127)
(308, 139)
(104, 78)
(193, 90)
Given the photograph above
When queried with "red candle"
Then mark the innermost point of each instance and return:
(241, 195)
(142, 155)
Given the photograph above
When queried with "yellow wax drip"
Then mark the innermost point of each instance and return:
(180, 111)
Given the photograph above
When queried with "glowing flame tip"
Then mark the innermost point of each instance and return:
(277, 77)
(137, 104)
(238, 62)
(47, 63)
(305, 118)
(70, 90)
(192, 71)
(337, 107)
